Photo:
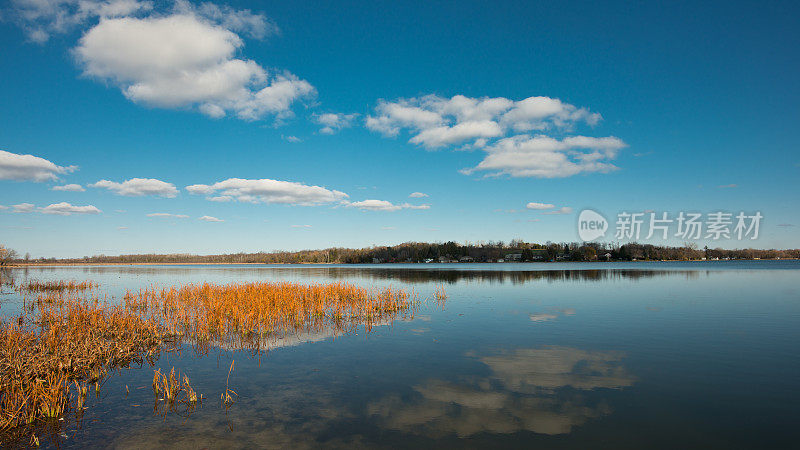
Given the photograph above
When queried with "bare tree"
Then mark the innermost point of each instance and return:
(7, 255)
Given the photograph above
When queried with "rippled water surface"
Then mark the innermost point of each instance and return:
(617, 355)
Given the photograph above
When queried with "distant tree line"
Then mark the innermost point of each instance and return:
(419, 252)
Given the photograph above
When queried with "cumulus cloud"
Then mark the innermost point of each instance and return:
(383, 205)
(333, 122)
(69, 188)
(499, 126)
(168, 215)
(541, 113)
(547, 157)
(187, 59)
(417, 195)
(269, 191)
(137, 187)
(210, 219)
(536, 205)
(446, 135)
(436, 121)
(66, 209)
(29, 168)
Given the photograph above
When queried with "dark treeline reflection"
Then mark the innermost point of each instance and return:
(404, 275)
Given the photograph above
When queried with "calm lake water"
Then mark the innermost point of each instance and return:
(610, 355)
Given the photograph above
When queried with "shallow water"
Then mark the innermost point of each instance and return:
(617, 355)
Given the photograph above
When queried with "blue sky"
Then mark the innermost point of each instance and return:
(484, 107)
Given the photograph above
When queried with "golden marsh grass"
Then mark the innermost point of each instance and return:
(66, 340)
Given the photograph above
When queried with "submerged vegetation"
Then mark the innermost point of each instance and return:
(66, 340)
(56, 286)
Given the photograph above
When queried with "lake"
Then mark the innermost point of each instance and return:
(558, 355)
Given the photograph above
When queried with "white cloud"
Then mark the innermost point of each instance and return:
(3, 207)
(220, 198)
(490, 124)
(292, 139)
(168, 215)
(42, 18)
(136, 187)
(269, 191)
(562, 210)
(257, 26)
(66, 209)
(417, 195)
(301, 226)
(447, 135)
(29, 167)
(542, 317)
(392, 116)
(333, 122)
(546, 157)
(535, 205)
(541, 113)
(437, 121)
(187, 60)
(383, 205)
(69, 188)
(210, 219)
(23, 207)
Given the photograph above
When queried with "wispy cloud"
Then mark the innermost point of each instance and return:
(383, 205)
(268, 191)
(69, 188)
(210, 219)
(168, 216)
(562, 210)
(23, 207)
(292, 139)
(333, 122)
(537, 205)
(548, 208)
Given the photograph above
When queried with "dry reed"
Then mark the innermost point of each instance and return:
(64, 340)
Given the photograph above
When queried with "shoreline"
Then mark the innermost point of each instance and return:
(90, 264)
